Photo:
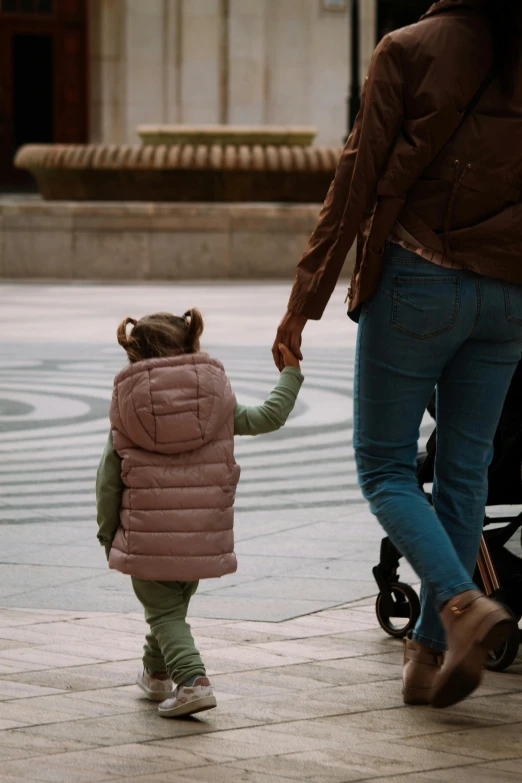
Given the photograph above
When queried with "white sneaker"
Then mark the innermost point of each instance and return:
(154, 688)
(187, 700)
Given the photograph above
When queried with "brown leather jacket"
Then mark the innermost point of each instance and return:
(462, 198)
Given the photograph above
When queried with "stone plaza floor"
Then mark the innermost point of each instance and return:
(308, 685)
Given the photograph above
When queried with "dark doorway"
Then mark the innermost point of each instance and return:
(43, 85)
(392, 14)
(33, 93)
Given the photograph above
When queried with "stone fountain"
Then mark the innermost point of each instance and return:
(189, 202)
(184, 163)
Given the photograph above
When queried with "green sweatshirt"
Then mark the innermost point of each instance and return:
(248, 420)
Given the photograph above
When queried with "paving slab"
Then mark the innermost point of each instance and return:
(316, 707)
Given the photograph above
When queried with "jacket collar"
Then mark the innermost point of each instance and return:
(450, 5)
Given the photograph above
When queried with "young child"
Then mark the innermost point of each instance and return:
(166, 484)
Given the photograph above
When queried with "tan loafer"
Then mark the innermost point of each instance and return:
(474, 624)
(420, 671)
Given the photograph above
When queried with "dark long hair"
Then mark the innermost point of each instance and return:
(505, 21)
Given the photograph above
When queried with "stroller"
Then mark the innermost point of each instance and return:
(499, 571)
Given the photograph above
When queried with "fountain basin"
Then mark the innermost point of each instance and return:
(181, 172)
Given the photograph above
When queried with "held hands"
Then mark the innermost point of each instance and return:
(289, 335)
(288, 357)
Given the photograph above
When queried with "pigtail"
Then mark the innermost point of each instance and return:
(195, 326)
(127, 342)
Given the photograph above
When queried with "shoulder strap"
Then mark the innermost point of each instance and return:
(470, 108)
(480, 92)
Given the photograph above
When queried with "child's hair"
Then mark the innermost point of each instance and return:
(161, 334)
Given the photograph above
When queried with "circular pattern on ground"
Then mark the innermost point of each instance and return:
(54, 423)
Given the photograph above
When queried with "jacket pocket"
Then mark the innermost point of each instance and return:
(513, 299)
(424, 307)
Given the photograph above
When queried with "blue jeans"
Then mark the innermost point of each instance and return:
(429, 326)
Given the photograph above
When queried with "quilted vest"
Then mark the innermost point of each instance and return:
(172, 422)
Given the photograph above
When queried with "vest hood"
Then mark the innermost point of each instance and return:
(171, 405)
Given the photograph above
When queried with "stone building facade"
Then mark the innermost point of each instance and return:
(222, 61)
(76, 71)
(90, 71)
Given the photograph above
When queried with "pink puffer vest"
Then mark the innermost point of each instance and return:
(172, 422)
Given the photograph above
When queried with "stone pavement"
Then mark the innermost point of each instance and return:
(314, 699)
(307, 684)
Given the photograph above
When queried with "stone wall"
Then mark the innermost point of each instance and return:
(221, 61)
(152, 241)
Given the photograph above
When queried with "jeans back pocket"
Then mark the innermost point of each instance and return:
(513, 298)
(425, 306)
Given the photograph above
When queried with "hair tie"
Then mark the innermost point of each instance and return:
(133, 321)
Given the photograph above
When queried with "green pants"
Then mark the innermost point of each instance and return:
(169, 646)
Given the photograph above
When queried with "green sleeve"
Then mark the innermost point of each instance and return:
(272, 414)
(109, 489)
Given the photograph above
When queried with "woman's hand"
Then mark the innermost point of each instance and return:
(288, 357)
(289, 333)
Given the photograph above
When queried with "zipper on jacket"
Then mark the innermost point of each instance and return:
(457, 182)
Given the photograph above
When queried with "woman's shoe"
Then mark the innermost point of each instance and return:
(421, 669)
(189, 699)
(154, 688)
(474, 624)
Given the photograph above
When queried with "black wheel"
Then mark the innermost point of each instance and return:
(500, 659)
(398, 612)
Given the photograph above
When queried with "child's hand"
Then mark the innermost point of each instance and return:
(289, 358)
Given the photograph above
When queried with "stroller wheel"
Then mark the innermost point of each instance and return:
(398, 610)
(500, 659)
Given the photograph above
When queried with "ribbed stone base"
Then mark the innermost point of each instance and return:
(152, 241)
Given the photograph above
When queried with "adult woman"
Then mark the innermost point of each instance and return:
(430, 180)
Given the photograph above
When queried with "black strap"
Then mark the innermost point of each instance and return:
(470, 108)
